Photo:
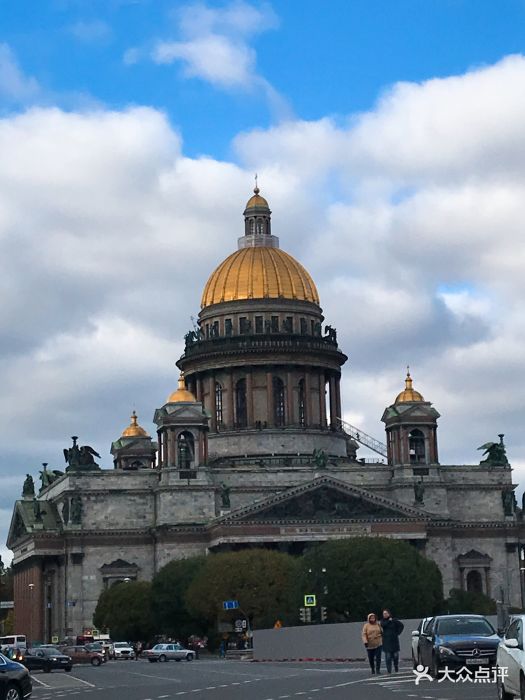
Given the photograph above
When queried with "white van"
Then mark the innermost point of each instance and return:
(15, 641)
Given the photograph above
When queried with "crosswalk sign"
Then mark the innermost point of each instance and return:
(310, 601)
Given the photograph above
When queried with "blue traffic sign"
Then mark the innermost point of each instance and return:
(230, 604)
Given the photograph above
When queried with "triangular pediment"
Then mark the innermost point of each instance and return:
(324, 499)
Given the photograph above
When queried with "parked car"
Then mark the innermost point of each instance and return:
(15, 681)
(415, 640)
(165, 652)
(83, 655)
(511, 656)
(46, 660)
(122, 650)
(456, 641)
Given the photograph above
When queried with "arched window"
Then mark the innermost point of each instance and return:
(278, 402)
(218, 403)
(185, 450)
(301, 412)
(474, 582)
(260, 229)
(241, 416)
(252, 226)
(416, 447)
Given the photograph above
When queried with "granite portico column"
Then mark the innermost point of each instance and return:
(229, 390)
(213, 404)
(333, 405)
(269, 398)
(249, 397)
(307, 399)
(322, 399)
(290, 407)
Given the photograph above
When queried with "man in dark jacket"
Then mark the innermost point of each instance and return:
(392, 628)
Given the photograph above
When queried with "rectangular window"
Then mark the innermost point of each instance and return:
(215, 329)
(312, 327)
(259, 324)
(207, 330)
(228, 327)
(243, 325)
(288, 324)
(304, 327)
(275, 324)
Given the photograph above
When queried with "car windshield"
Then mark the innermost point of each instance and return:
(465, 626)
(51, 652)
(121, 645)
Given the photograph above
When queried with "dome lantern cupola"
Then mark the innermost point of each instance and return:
(257, 219)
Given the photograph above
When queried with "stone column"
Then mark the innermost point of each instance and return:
(307, 399)
(427, 449)
(229, 397)
(290, 403)
(198, 388)
(249, 397)
(333, 405)
(338, 407)
(213, 405)
(269, 399)
(172, 448)
(159, 451)
(322, 399)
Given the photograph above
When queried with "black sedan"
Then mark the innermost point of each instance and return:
(46, 659)
(457, 641)
(15, 681)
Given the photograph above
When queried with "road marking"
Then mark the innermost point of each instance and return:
(162, 696)
(91, 685)
(161, 678)
(41, 683)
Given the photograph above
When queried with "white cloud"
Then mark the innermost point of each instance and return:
(15, 87)
(92, 31)
(213, 45)
(108, 234)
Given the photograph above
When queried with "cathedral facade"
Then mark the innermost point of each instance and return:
(251, 451)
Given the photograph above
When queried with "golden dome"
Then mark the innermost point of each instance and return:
(259, 273)
(182, 394)
(134, 429)
(409, 393)
(256, 200)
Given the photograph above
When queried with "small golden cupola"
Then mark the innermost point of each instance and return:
(134, 449)
(181, 394)
(409, 394)
(134, 429)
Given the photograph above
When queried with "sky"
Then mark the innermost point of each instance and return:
(389, 139)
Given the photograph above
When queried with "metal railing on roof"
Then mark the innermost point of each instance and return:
(363, 438)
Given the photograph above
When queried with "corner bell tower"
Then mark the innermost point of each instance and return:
(411, 428)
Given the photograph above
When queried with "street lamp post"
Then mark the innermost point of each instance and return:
(31, 587)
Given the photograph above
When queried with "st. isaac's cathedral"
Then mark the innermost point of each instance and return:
(251, 452)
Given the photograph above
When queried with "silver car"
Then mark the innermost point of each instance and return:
(165, 652)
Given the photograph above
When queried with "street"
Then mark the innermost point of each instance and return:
(224, 680)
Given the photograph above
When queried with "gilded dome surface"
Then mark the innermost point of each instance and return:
(409, 394)
(134, 429)
(259, 273)
(181, 394)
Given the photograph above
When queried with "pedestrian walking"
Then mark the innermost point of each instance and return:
(392, 628)
(137, 649)
(372, 636)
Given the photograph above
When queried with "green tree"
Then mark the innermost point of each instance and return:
(354, 577)
(170, 612)
(125, 609)
(469, 602)
(263, 581)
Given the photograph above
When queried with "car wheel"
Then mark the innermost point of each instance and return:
(163, 657)
(13, 693)
(189, 657)
(95, 661)
(502, 693)
(47, 668)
